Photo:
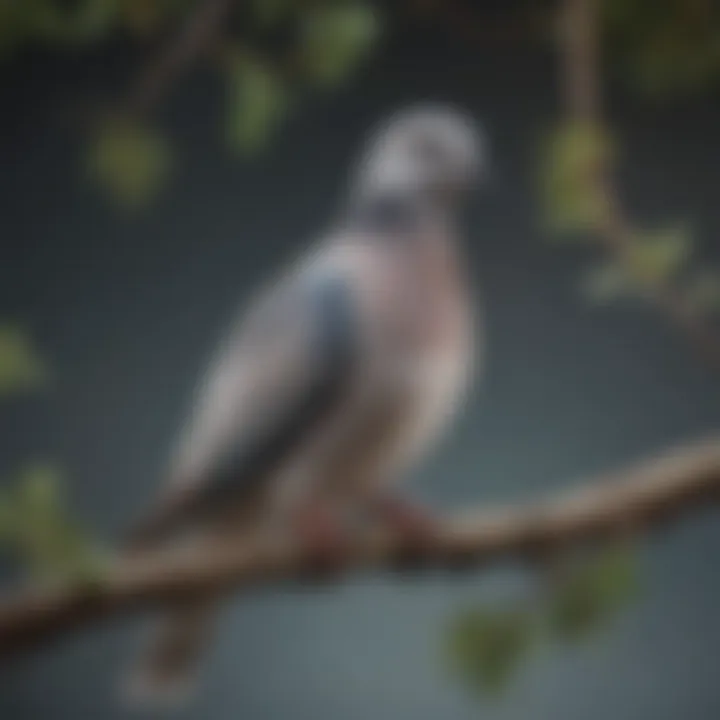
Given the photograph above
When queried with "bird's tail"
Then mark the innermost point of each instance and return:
(166, 673)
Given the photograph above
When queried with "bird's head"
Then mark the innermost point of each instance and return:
(431, 151)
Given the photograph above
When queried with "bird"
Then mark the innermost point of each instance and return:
(334, 382)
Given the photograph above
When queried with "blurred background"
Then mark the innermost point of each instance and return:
(160, 158)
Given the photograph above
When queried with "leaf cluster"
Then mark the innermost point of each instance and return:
(487, 646)
(269, 53)
(35, 526)
(21, 369)
(665, 47)
(38, 530)
(576, 159)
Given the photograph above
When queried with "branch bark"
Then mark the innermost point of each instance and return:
(636, 500)
(582, 94)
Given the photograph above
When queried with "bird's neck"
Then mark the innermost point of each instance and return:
(393, 214)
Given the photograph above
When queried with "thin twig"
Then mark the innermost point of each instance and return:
(581, 90)
(197, 33)
(635, 500)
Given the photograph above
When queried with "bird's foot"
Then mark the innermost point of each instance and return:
(324, 539)
(416, 526)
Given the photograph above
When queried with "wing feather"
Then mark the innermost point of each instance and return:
(282, 370)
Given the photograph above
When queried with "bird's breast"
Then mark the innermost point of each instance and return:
(416, 363)
(429, 357)
(434, 382)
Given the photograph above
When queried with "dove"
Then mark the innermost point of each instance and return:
(336, 380)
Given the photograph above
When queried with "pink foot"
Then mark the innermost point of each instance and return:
(415, 524)
(323, 538)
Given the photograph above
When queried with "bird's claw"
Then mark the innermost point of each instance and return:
(323, 539)
(415, 525)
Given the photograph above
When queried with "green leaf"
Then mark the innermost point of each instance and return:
(652, 259)
(36, 526)
(605, 283)
(703, 291)
(38, 508)
(39, 489)
(487, 647)
(8, 520)
(665, 47)
(129, 161)
(257, 102)
(572, 160)
(20, 368)
(336, 38)
(593, 592)
(658, 256)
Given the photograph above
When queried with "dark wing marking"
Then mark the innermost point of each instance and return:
(387, 214)
(293, 360)
(333, 345)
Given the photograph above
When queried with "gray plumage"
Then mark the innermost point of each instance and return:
(339, 375)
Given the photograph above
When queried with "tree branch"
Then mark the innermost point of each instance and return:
(198, 31)
(581, 90)
(632, 501)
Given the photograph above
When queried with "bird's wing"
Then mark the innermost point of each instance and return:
(283, 368)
